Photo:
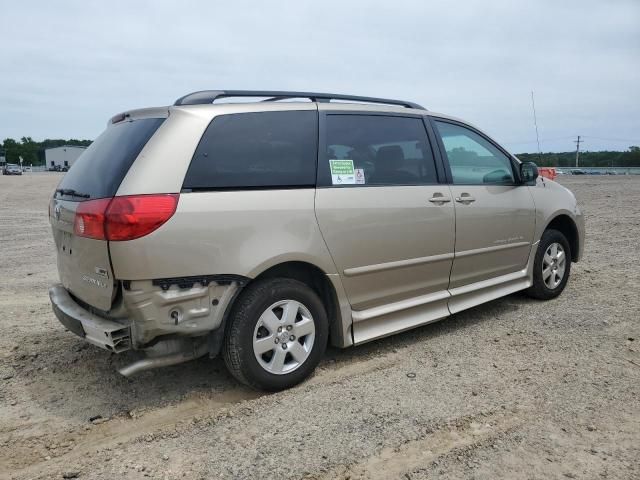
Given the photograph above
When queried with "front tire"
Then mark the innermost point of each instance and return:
(552, 266)
(277, 334)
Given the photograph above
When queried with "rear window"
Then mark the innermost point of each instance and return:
(256, 150)
(100, 169)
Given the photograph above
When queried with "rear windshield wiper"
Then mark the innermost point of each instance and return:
(72, 193)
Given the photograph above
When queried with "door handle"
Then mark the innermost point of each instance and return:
(439, 198)
(465, 198)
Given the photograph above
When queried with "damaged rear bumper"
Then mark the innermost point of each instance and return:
(114, 336)
(189, 306)
(171, 320)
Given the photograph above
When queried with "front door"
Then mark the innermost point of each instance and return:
(495, 215)
(388, 223)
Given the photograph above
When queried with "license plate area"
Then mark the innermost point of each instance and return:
(85, 269)
(66, 244)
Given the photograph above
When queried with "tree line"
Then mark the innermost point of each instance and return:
(32, 152)
(630, 158)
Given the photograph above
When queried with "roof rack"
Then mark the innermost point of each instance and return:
(209, 96)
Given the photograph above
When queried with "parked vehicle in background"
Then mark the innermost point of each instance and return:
(265, 230)
(11, 169)
(27, 170)
(577, 171)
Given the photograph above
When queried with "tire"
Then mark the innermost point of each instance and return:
(255, 323)
(546, 284)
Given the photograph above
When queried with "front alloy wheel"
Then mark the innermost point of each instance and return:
(552, 266)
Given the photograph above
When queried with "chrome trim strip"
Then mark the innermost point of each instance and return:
(362, 315)
(380, 267)
(478, 251)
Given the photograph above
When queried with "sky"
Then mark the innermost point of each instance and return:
(67, 66)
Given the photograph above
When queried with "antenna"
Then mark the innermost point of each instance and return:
(535, 122)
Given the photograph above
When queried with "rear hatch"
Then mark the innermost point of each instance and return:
(84, 265)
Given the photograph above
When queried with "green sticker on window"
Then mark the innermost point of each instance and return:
(342, 172)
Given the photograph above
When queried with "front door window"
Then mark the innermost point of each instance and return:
(473, 159)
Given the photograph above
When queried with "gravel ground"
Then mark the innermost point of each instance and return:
(512, 389)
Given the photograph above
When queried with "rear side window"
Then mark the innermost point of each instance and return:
(256, 150)
(98, 172)
(376, 150)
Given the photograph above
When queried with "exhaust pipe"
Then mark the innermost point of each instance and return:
(164, 360)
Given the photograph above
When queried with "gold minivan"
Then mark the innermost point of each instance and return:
(263, 230)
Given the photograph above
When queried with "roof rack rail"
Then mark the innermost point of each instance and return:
(209, 96)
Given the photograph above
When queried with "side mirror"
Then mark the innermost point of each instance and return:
(528, 173)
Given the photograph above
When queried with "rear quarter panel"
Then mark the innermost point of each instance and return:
(236, 232)
(241, 232)
(164, 160)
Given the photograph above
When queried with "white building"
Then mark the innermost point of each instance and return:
(62, 156)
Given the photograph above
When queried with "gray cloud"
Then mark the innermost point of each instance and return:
(68, 66)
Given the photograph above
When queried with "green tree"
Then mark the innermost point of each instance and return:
(32, 152)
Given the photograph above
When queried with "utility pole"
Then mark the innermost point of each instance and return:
(577, 142)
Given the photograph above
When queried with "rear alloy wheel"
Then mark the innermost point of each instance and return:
(277, 334)
(552, 266)
(283, 337)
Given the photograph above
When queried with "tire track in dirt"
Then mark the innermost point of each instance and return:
(398, 462)
(27, 460)
(28, 455)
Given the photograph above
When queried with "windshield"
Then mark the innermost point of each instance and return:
(98, 172)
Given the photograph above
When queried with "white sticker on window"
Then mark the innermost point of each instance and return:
(342, 172)
(360, 176)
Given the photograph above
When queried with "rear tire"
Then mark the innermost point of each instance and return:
(277, 334)
(552, 266)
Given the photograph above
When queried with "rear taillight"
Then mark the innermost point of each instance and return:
(124, 218)
(89, 219)
(138, 215)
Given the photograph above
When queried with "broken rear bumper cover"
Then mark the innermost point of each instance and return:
(170, 320)
(111, 335)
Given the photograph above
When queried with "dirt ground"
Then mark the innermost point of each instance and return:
(516, 388)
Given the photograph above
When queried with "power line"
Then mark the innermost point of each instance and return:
(612, 139)
(544, 140)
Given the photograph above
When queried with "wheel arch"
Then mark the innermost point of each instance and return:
(567, 226)
(316, 279)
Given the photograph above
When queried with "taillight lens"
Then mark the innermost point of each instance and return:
(89, 219)
(124, 218)
(135, 216)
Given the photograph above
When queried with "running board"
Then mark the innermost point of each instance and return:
(469, 296)
(385, 320)
(396, 317)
